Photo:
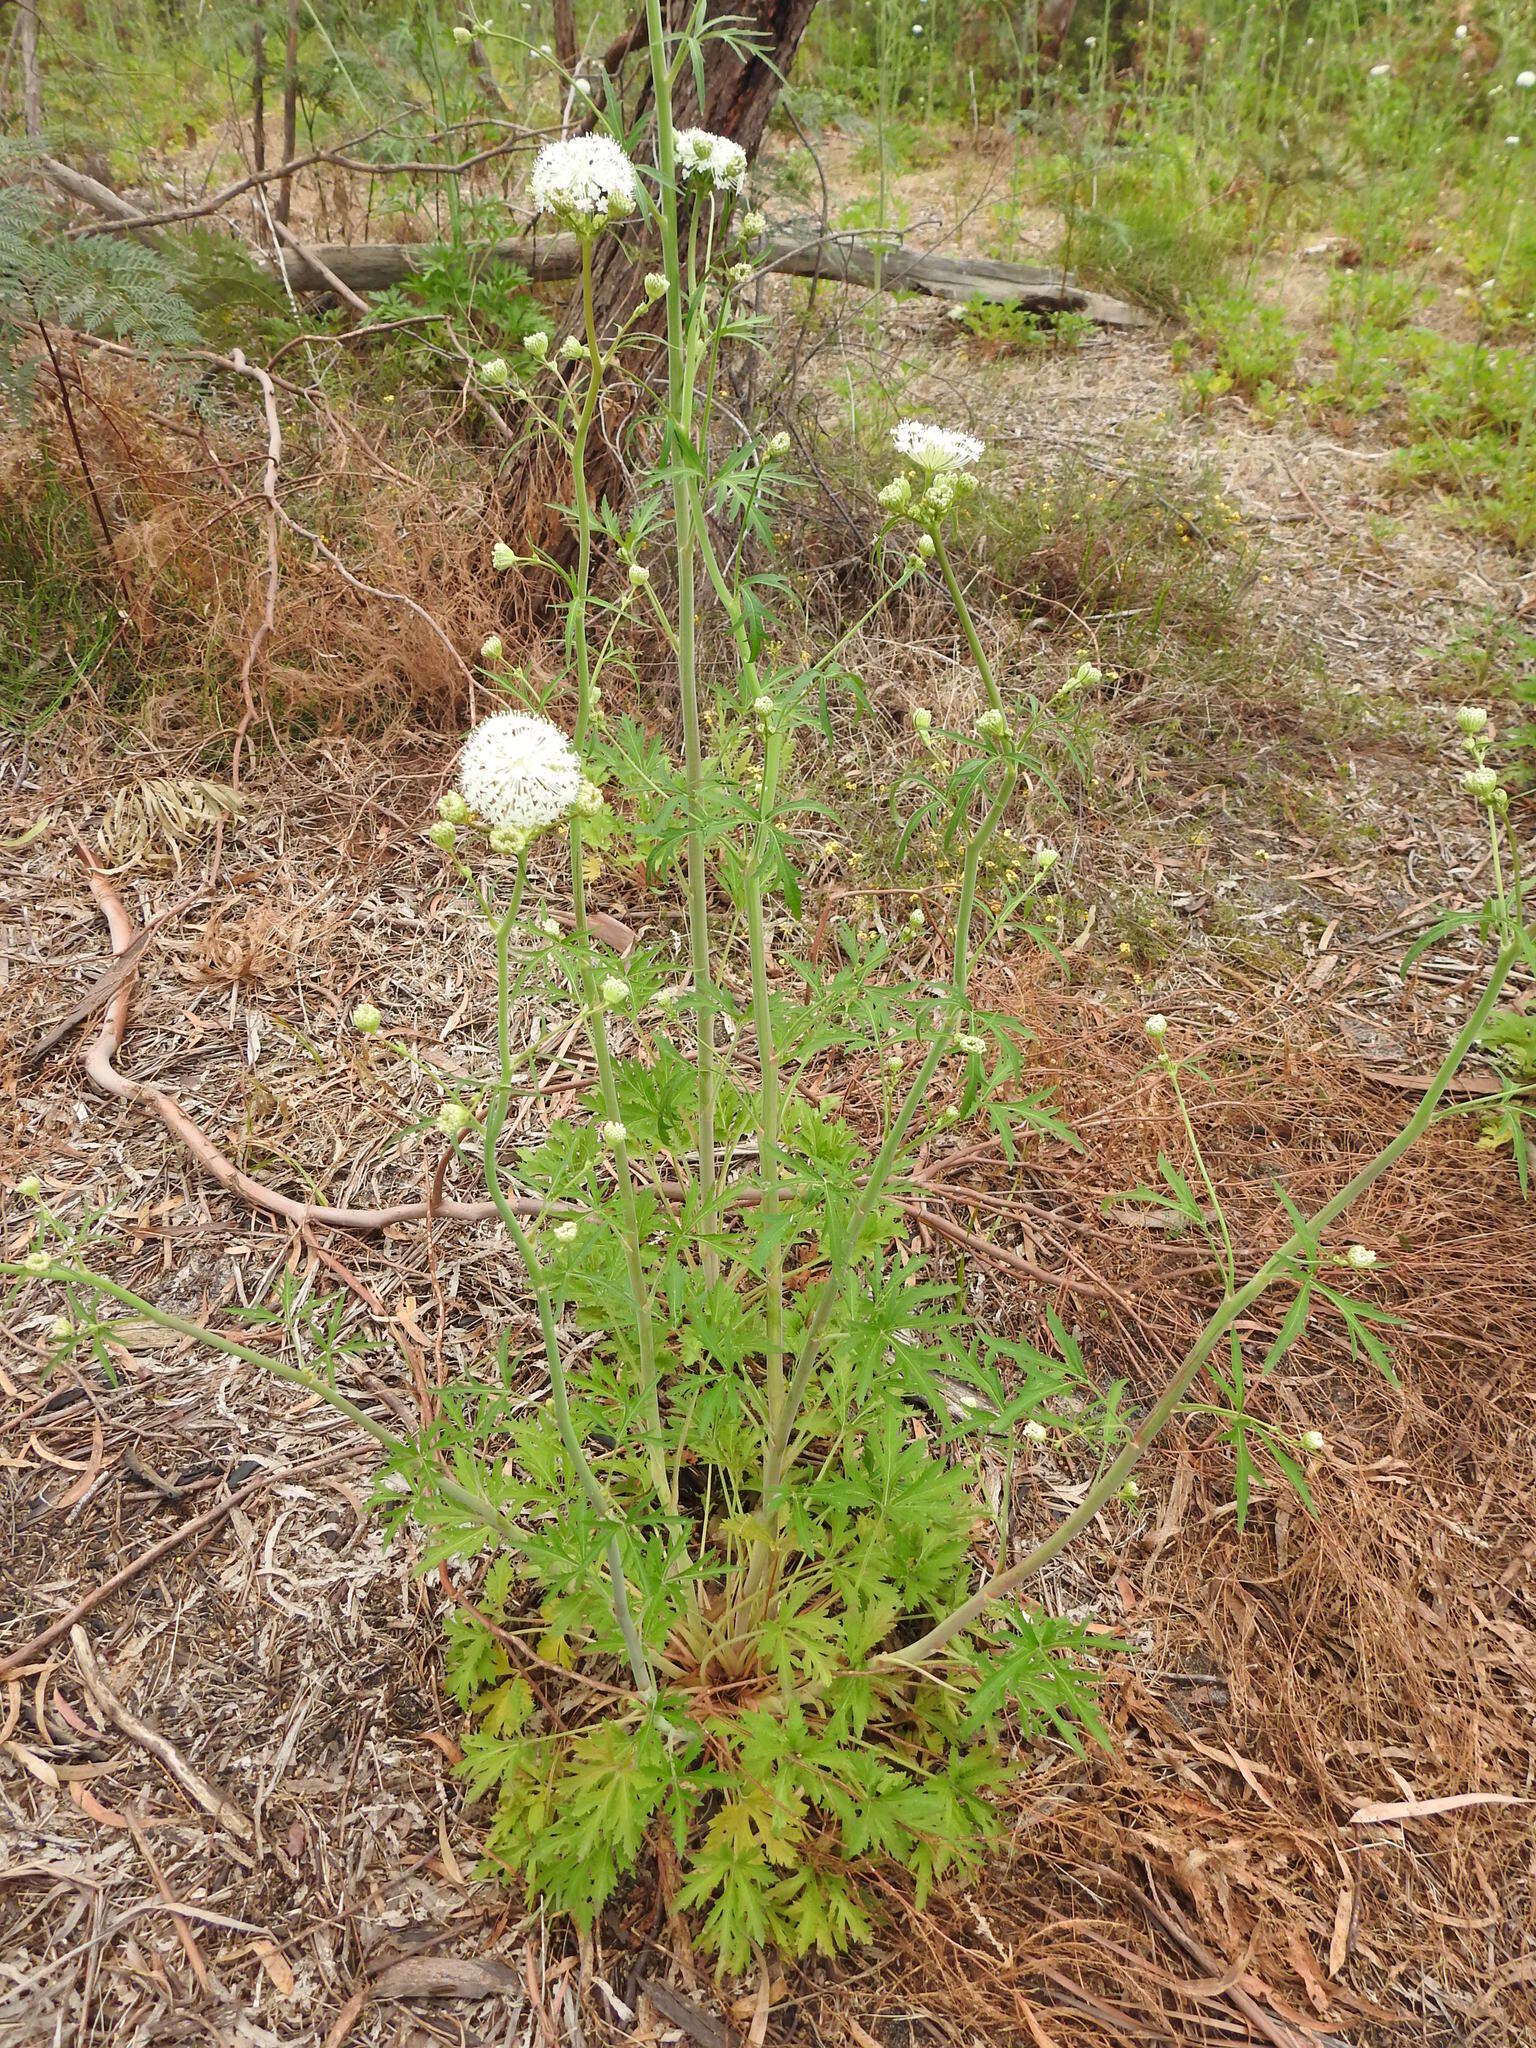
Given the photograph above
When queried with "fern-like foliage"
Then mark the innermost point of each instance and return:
(107, 285)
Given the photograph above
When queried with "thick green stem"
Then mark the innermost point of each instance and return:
(1274, 1268)
(597, 1028)
(687, 680)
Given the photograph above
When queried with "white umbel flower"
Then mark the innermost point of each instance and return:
(519, 772)
(713, 162)
(586, 182)
(939, 450)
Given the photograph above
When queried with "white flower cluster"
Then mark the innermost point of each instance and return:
(939, 450)
(585, 182)
(712, 162)
(518, 772)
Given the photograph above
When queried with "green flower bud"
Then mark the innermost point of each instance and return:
(1473, 719)
(922, 720)
(490, 647)
(38, 1262)
(444, 836)
(503, 557)
(537, 344)
(29, 1187)
(655, 286)
(1156, 1027)
(494, 373)
(452, 806)
(992, 726)
(926, 546)
(1312, 1440)
(453, 1120)
(614, 990)
(639, 576)
(366, 1019)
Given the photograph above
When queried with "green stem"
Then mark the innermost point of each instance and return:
(1210, 1187)
(1236, 1305)
(590, 1485)
(687, 679)
(597, 1028)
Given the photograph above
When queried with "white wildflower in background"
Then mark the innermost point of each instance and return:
(1511, 142)
(1525, 80)
(565, 1233)
(1461, 32)
(712, 162)
(939, 450)
(916, 919)
(519, 772)
(366, 1019)
(1381, 70)
(739, 273)
(549, 928)
(60, 1330)
(38, 1262)
(1130, 1493)
(586, 182)
(1035, 1432)
(1360, 1257)
(754, 226)
(1312, 1440)
(1156, 1027)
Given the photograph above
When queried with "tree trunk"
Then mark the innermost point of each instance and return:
(290, 109)
(565, 36)
(258, 95)
(738, 99)
(31, 77)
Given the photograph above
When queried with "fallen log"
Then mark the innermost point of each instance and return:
(346, 268)
(375, 266)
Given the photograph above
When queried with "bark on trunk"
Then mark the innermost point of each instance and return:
(258, 96)
(739, 94)
(565, 36)
(290, 109)
(31, 77)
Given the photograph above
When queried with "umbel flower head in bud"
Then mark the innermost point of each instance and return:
(922, 720)
(452, 809)
(753, 226)
(503, 557)
(453, 1120)
(586, 182)
(655, 285)
(762, 709)
(739, 273)
(1473, 720)
(444, 836)
(1312, 1440)
(639, 576)
(615, 989)
(711, 163)
(490, 647)
(779, 444)
(1359, 1257)
(572, 349)
(614, 1135)
(366, 1019)
(494, 373)
(993, 724)
(939, 450)
(971, 1043)
(537, 344)
(895, 496)
(1481, 783)
(1156, 1027)
(519, 772)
